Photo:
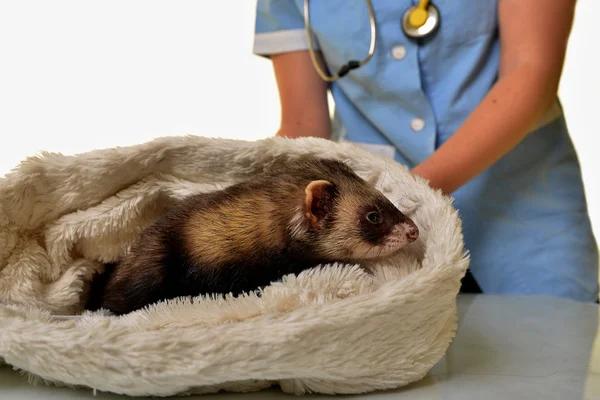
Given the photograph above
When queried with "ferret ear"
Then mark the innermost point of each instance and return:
(318, 200)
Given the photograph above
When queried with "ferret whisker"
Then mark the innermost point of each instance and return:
(343, 244)
(384, 174)
(369, 248)
(379, 254)
(397, 202)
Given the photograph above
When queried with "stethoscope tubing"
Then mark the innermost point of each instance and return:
(350, 65)
(413, 32)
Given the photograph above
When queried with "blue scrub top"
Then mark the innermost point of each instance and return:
(525, 219)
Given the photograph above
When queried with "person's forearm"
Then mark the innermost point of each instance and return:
(533, 40)
(303, 96)
(499, 123)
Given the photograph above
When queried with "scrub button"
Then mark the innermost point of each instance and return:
(399, 52)
(417, 124)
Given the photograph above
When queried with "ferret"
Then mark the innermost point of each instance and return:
(311, 211)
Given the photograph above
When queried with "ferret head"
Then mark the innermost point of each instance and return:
(350, 219)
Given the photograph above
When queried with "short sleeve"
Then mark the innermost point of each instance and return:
(279, 28)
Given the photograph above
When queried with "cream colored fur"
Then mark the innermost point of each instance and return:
(335, 329)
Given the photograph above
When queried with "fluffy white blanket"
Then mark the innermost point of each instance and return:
(334, 329)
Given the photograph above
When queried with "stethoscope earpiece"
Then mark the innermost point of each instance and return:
(420, 20)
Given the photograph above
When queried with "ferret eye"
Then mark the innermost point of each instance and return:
(374, 217)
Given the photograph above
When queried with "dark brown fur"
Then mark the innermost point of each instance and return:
(311, 211)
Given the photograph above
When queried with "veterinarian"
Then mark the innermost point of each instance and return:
(465, 94)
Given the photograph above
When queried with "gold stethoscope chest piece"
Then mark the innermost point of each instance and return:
(420, 20)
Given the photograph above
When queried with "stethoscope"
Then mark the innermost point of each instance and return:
(418, 21)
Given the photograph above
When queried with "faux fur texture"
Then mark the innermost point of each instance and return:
(334, 329)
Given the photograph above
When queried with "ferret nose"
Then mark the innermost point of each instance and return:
(412, 232)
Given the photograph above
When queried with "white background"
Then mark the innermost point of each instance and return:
(77, 75)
